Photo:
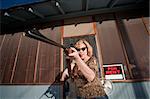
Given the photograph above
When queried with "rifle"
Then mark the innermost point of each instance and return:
(35, 34)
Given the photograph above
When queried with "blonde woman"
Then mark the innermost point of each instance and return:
(83, 81)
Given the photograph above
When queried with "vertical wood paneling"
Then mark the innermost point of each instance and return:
(8, 55)
(57, 37)
(2, 37)
(57, 51)
(36, 61)
(111, 47)
(146, 21)
(110, 43)
(139, 39)
(49, 57)
(26, 61)
(45, 66)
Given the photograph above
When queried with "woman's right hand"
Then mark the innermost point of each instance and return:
(64, 75)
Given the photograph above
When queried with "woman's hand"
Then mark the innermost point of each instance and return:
(74, 54)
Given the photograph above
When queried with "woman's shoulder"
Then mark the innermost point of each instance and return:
(92, 60)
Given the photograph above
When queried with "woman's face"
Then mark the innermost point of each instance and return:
(82, 49)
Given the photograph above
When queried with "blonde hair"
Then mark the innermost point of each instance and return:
(89, 47)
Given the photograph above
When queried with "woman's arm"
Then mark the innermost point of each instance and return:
(87, 72)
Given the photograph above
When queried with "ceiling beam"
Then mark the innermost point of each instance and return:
(141, 8)
(94, 12)
(138, 1)
(87, 13)
(35, 12)
(59, 7)
(85, 5)
(2, 22)
(14, 17)
(112, 3)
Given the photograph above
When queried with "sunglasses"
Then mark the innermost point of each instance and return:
(79, 49)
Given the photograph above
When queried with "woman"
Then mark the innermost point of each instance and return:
(84, 82)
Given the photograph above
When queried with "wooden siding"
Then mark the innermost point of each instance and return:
(139, 39)
(28, 61)
(110, 43)
(9, 50)
(24, 60)
(111, 46)
(146, 21)
(127, 42)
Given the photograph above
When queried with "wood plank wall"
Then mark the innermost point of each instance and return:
(111, 46)
(28, 61)
(139, 39)
(127, 42)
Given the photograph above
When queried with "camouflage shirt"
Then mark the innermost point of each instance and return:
(84, 88)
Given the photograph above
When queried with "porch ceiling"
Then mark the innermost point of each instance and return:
(25, 15)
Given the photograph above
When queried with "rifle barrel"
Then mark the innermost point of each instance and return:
(38, 36)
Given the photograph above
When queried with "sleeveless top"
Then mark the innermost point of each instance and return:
(84, 88)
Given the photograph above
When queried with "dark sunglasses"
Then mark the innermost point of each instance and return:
(78, 49)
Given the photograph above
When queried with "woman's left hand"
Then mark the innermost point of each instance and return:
(74, 54)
